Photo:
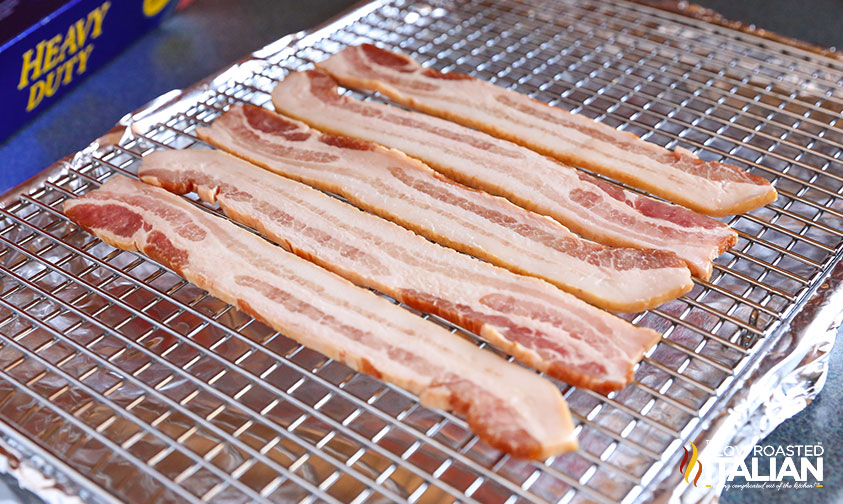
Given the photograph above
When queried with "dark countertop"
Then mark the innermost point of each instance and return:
(814, 21)
(210, 34)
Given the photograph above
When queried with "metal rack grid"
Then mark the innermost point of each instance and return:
(139, 386)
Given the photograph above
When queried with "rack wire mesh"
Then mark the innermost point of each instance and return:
(145, 388)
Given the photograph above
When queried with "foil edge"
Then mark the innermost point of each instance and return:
(783, 382)
(43, 475)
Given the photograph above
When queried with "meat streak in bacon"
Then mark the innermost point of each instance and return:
(585, 204)
(401, 189)
(510, 407)
(539, 324)
(709, 187)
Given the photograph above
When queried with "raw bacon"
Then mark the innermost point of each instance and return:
(709, 187)
(585, 204)
(539, 324)
(399, 188)
(510, 407)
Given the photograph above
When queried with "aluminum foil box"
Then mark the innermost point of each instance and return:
(48, 46)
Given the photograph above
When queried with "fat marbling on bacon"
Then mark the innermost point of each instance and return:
(709, 187)
(595, 209)
(388, 183)
(539, 324)
(510, 407)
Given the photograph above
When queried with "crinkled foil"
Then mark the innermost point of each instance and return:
(785, 380)
(37, 475)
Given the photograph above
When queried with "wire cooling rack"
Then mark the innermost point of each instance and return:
(122, 381)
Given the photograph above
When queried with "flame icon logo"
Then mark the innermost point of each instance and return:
(688, 468)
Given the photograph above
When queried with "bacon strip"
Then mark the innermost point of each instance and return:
(705, 186)
(508, 406)
(401, 189)
(585, 204)
(540, 325)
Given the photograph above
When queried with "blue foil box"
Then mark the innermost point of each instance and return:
(48, 46)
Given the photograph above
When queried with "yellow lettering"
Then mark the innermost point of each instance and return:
(50, 54)
(83, 59)
(99, 16)
(153, 7)
(36, 94)
(94, 20)
(53, 82)
(83, 28)
(67, 68)
(30, 65)
(69, 44)
(49, 85)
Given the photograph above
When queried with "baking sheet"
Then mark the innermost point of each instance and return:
(766, 318)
